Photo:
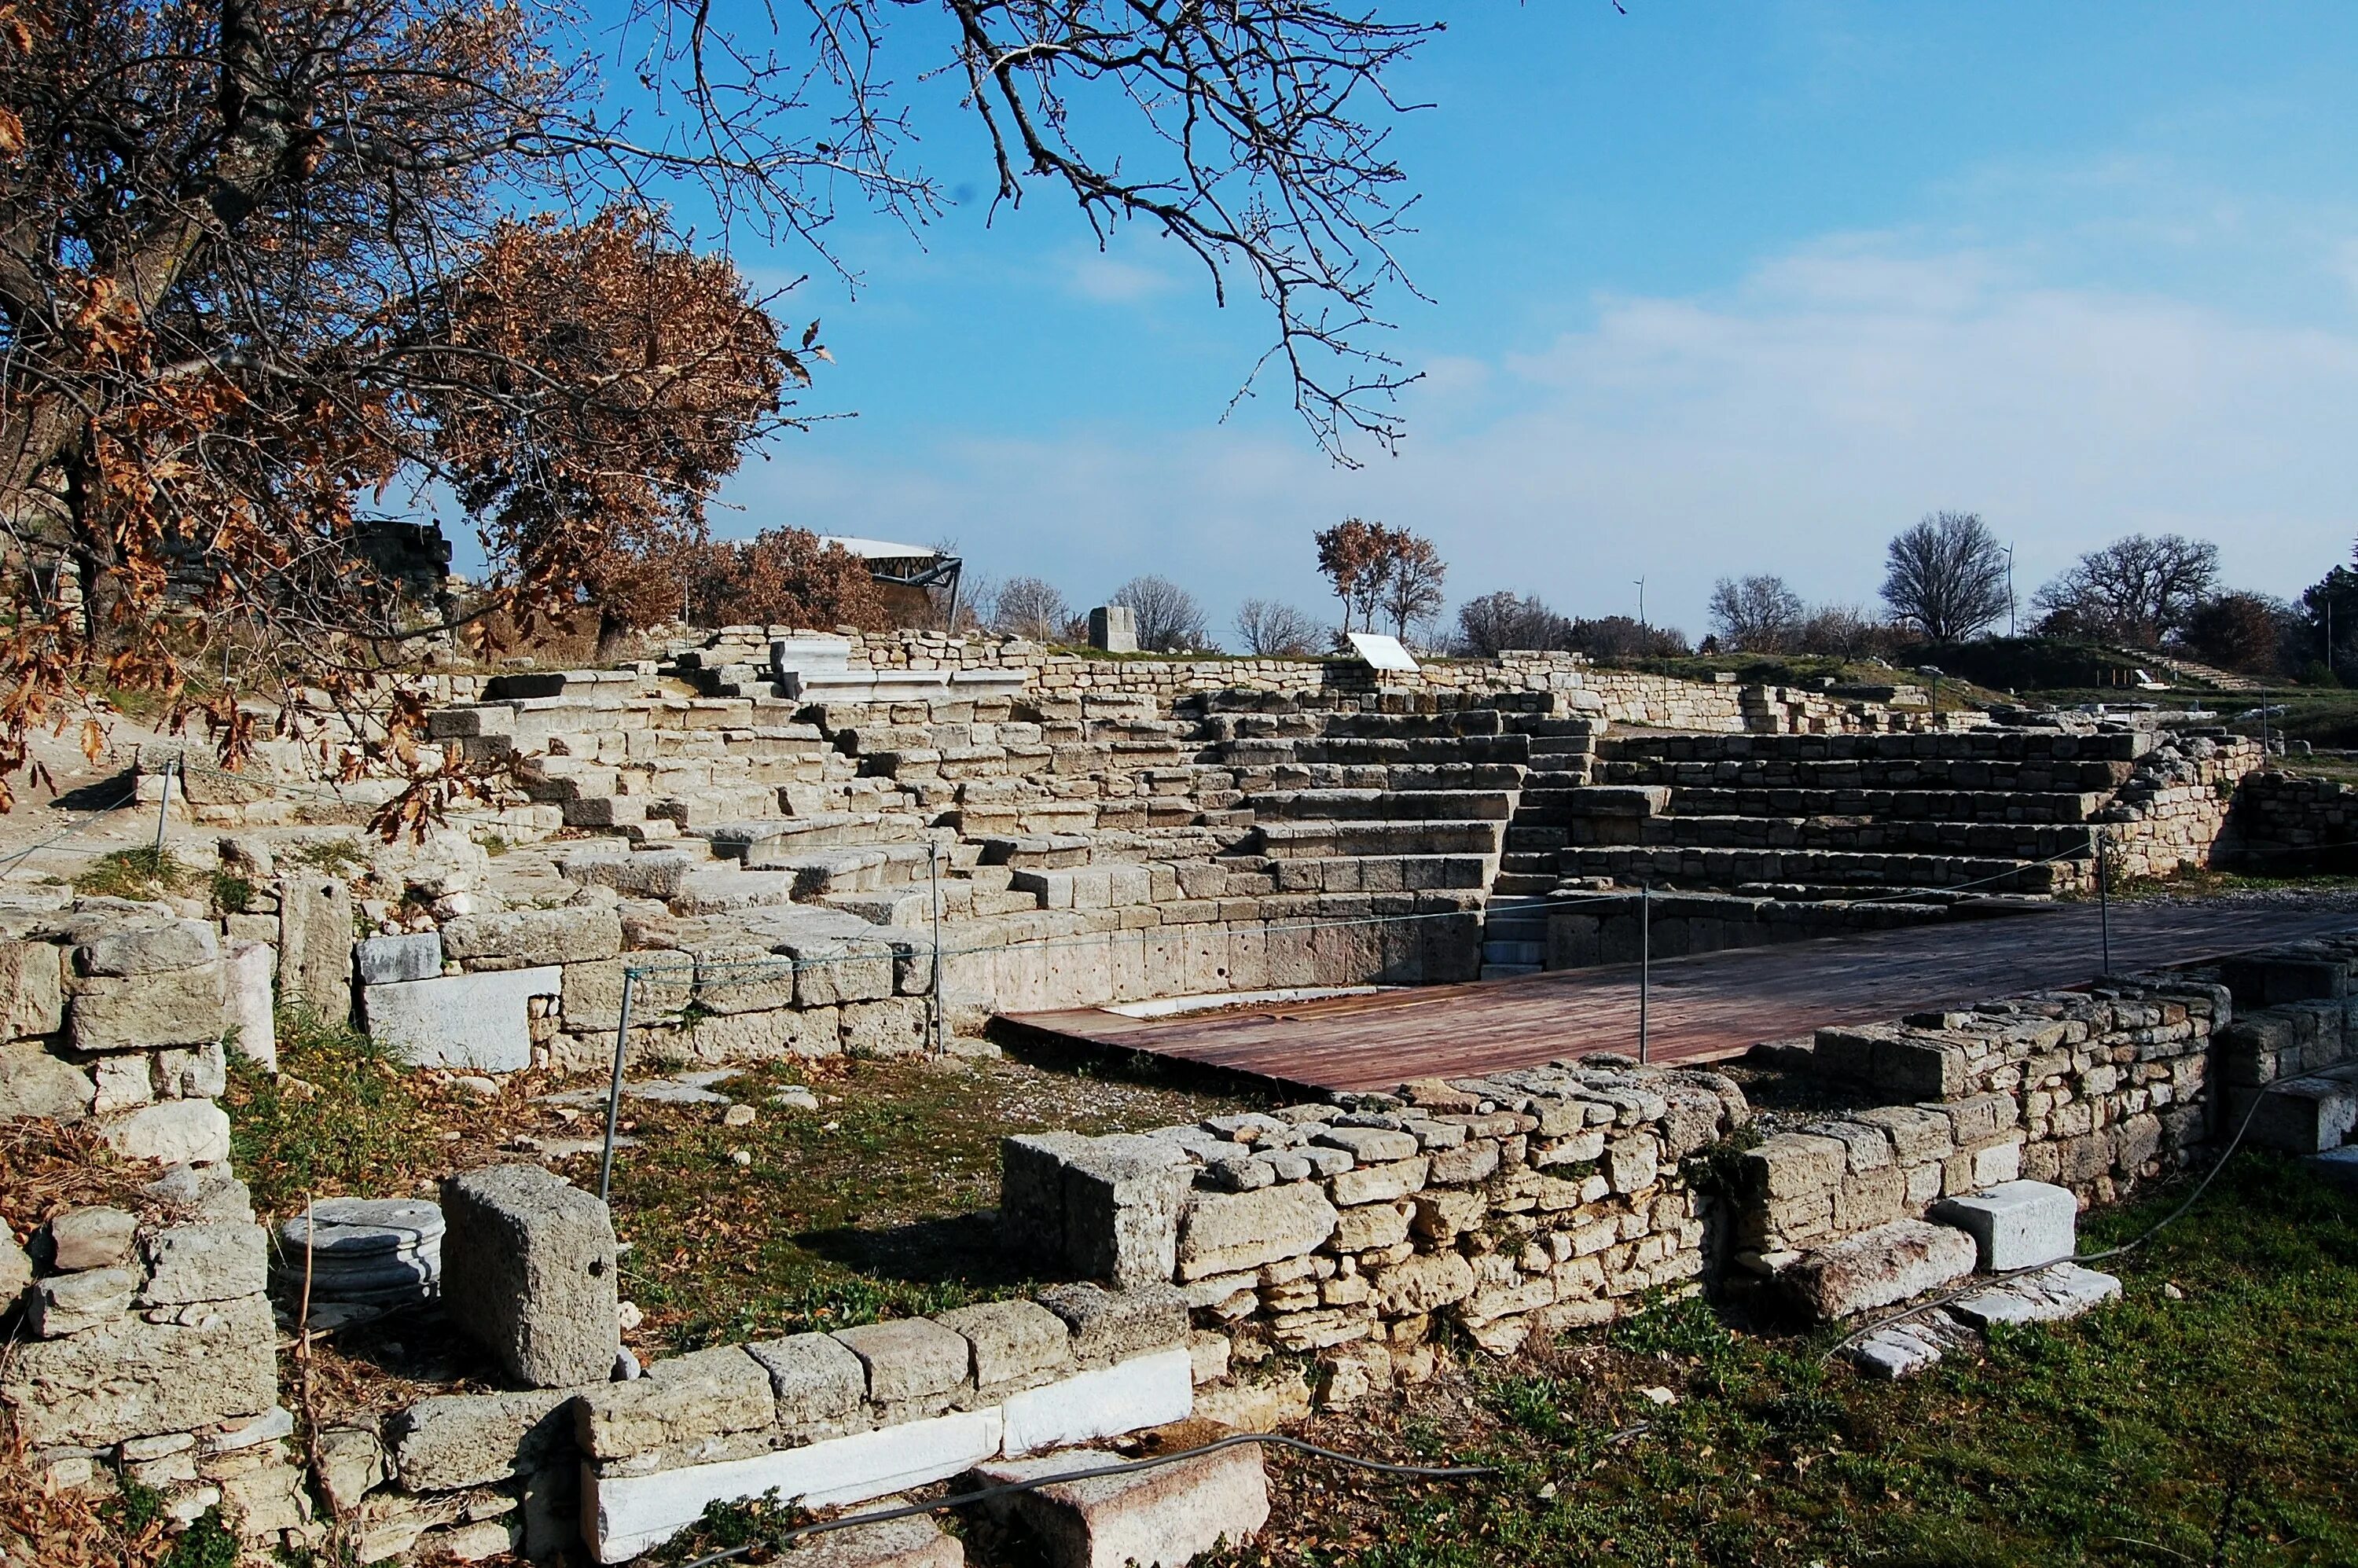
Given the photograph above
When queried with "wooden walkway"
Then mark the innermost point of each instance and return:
(1701, 1008)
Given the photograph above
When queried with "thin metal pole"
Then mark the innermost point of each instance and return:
(614, 1089)
(163, 809)
(2104, 895)
(941, 1013)
(1645, 964)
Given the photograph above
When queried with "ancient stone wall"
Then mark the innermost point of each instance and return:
(2283, 824)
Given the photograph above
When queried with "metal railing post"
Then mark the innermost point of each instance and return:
(614, 1089)
(941, 1013)
(1645, 966)
(2104, 895)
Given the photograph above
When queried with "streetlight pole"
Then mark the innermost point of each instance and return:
(1641, 601)
(2009, 591)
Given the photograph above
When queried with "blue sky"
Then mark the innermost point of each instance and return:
(1714, 290)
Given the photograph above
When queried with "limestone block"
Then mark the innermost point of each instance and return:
(1443, 1214)
(1795, 1165)
(179, 1133)
(448, 1442)
(1631, 1164)
(142, 1012)
(1031, 1191)
(1369, 1145)
(147, 949)
(1478, 1161)
(1158, 1518)
(2064, 1291)
(218, 1260)
(349, 1462)
(1380, 1184)
(1143, 1391)
(94, 1236)
(622, 1516)
(681, 1400)
(916, 1543)
(32, 992)
(385, 960)
(895, 1026)
(1875, 1268)
(131, 1377)
(528, 1269)
(1223, 1233)
(2016, 1225)
(1010, 1341)
(1122, 1197)
(525, 938)
(472, 1022)
(817, 1383)
(69, 1304)
(829, 972)
(249, 1011)
(315, 959)
(1113, 1326)
(1367, 1226)
(1423, 1284)
(34, 1083)
(910, 1359)
(16, 1271)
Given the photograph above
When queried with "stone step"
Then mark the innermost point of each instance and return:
(1702, 867)
(2301, 1116)
(765, 836)
(1541, 805)
(2028, 841)
(1507, 971)
(1982, 745)
(1522, 883)
(1375, 804)
(1883, 805)
(1321, 841)
(2051, 1295)
(2036, 777)
(718, 888)
(1376, 873)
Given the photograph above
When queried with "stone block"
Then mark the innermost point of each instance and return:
(2051, 1296)
(819, 1386)
(179, 1133)
(528, 1269)
(1423, 1284)
(315, 959)
(1369, 1145)
(474, 1022)
(216, 1261)
(386, 960)
(1114, 1325)
(1380, 1184)
(1122, 1197)
(447, 1442)
(94, 1236)
(1032, 1192)
(916, 1542)
(1143, 1391)
(1225, 1233)
(1795, 1165)
(895, 1026)
(682, 1399)
(143, 1012)
(624, 1515)
(2299, 1115)
(32, 991)
(2016, 1225)
(1875, 1268)
(910, 1360)
(69, 1303)
(249, 998)
(1010, 1342)
(1372, 1226)
(130, 1378)
(16, 1271)
(525, 938)
(1160, 1517)
(34, 1083)
(148, 949)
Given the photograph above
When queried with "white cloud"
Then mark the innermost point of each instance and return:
(1791, 426)
(1109, 280)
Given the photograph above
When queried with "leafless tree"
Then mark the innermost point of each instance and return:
(1031, 607)
(1947, 577)
(1273, 630)
(1842, 632)
(1169, 618)
(1496, 622)
(1756, 614)
(1625, 637)
(1411, 582)
(2138, 591)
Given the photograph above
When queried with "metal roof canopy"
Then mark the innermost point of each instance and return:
(906, 566)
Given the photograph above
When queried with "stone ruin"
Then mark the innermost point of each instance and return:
(751, 832)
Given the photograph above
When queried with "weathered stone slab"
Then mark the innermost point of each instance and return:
(453, 1441)
(476, 1022)
(94, 1236)
(682, 1398)
(916, 1542)
(2016, 1225)
(148, 949)
(2065, 1290)
(1225, 1233)
(71, 1303)
(216, 1261)
(32, 991)
(1158, 1518)
(1146, 1390)
(1423, 1284)
(249, 1011)
(386, 960)
(908, 1358)
(142, 1012)
(34, 1083)
(1122, 1199)
(1113, 1326)
(314, 961)
(1875, 1268)
(178, 1132)
(524, 939)
(1011, 1340)
(817, 1382)
(622, 1516)
(131, 1377)
(528, 1269)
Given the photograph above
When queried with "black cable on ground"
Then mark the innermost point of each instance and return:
(913, 1510)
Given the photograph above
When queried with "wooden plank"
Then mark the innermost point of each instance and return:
(1700, 1009)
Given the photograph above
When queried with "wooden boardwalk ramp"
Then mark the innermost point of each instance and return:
(1701, 1008)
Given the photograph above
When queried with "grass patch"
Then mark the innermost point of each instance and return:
(2218, 1428)
(144, 872)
